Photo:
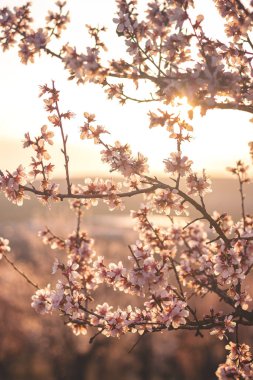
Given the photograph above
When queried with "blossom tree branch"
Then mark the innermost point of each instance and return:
(168, 267)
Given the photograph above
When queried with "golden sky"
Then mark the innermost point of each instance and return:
(220, 138)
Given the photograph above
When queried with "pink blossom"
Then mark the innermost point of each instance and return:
(178, 164)
(4, 247)
(41, 300)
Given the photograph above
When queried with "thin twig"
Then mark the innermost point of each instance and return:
(193, 221)
(64, 142)
(20, 272)
(136, 343)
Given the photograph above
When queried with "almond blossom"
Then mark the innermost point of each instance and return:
(41, 300)
(177, 164)
(198, 185)
(4, 246)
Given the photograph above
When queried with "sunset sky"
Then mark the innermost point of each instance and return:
(221, 137)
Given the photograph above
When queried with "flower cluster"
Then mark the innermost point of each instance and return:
(39, 167)
(12, 184)
(198, 185)
(88, 131)
(177, 164)
(238, 19)
(16, 25)
(241, 170)
(83, 67)
(228, 327)
(4, 246)
(119, 156)
(179, 129)
(84, 272)
(238, 364)
(94, 189)
(165, 201)
(47, 191)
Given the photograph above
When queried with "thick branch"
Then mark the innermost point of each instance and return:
(232, 106)
(91, 196)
